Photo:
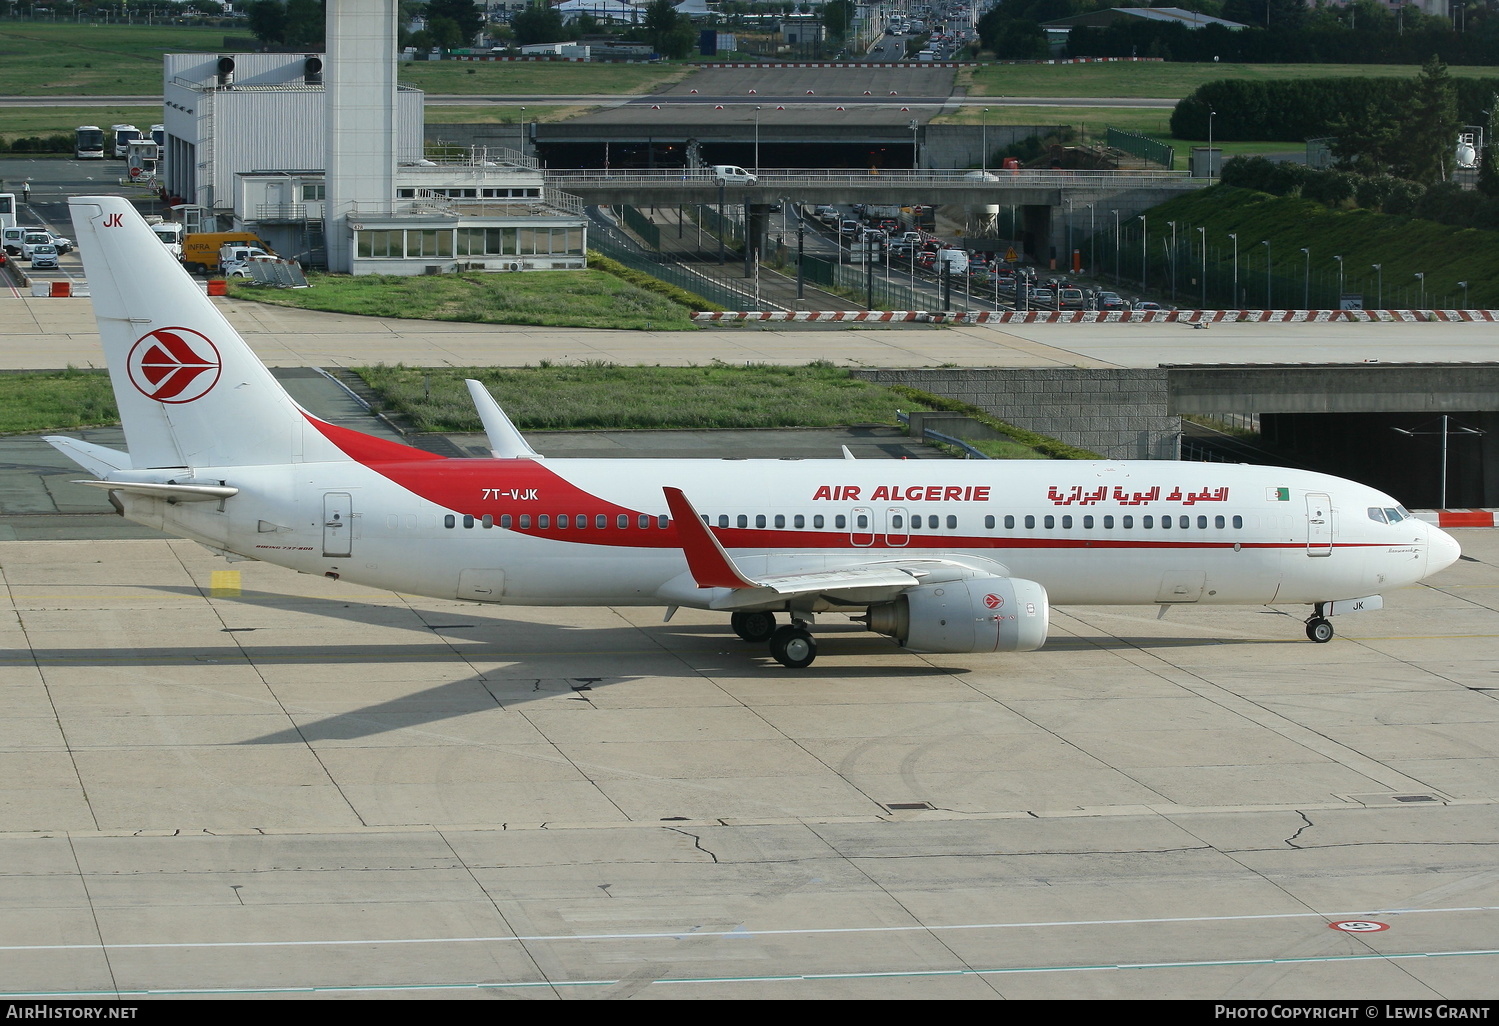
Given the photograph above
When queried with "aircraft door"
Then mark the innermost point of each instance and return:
(1318, 524)
(338, 524)
(861, 526)
(897, 533)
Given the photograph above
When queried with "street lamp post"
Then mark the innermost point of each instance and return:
(1172, 261)
(1116, 247)
(1306, 282)
(1144, 256)
(1421, 277)
(1464, 286)
(1202, 234)
(1340, 281)
(984, 144)
(1379, 293)
(914, 159)
(1211, 114)
(1234, 302)
(1269, 299)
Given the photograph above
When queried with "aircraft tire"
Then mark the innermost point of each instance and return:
(755, 627)
(793, 647)
(1319, 630)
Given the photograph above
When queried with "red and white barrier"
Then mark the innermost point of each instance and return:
(1457, 517)
(1110, 316)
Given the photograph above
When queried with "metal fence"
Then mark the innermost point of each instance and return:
(642, 226)
(616, 248)
(1193, 271)
(1143, 147)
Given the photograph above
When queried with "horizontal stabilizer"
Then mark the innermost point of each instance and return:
(98, 460)
(170, 492)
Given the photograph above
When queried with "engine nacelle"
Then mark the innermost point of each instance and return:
(976, 614)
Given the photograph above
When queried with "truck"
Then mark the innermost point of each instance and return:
(200, 250)
(170, 234)
(874, 213)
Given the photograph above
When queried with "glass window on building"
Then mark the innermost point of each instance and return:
(429, 242)
(313, 191)
(377, 243)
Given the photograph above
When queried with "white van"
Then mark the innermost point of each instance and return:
(728, 174)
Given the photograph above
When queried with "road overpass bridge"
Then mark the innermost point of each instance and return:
(1044, 199)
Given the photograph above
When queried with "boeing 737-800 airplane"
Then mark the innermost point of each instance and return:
(942, 556)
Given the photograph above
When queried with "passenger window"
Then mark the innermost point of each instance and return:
(780, 520)
(622, 521)
(1218, 522)
(897, 521)
(450, 521)
(799, 521)
(759, 519)
(504, 521)
(863, 521)
(1108, 522)
(487, 520)
(723, 520)
(1009, 521)
(989, 522)
(840, 521)
(1087, 523)
(1184, 521)
(644, 521)
(1049, 522)
(662, 520)
(1128, 523)
(544, 521)
(1147, 522)
(1067, 523)
(525, 521)
(1166, 523)
(817, 520)
(468, 520)
(742, 520)
(1030, 521)
(562, 521)
(1238, 522)
(600, 521)
(582, 521)
(952, 523)
(1202, 523)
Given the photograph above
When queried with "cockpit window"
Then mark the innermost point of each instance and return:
(1396, 515)
(1377, 515)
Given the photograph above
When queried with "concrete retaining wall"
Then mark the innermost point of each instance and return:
(1118, 413)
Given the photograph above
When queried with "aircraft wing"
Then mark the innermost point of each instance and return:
(713, 568)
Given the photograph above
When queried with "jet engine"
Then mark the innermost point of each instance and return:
(976, 614)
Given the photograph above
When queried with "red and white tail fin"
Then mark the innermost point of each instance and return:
(191, 392)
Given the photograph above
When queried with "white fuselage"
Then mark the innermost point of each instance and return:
(596, 532)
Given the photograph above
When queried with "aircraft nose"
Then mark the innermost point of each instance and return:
(1442, 550)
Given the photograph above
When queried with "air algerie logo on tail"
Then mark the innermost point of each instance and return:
(174, 365)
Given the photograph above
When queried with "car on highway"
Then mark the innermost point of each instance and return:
(1109, 301)
(730, 174)
(827, 214)
(1145, 304)
(848, 227)
(1043, 298)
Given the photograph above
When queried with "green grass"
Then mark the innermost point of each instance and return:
(63, 58)
(605, 396)
(32, 401)
(569, 299)
(20, 122)
(1403, 245)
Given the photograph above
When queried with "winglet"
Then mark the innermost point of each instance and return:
(710, 565)
(505, 442)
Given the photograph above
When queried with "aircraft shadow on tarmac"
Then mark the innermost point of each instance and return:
(533, 661)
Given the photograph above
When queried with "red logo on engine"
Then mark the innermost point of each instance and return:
(993, 601)
(174, 365)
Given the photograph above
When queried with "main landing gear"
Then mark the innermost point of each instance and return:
(792, 645)
(1318, 628)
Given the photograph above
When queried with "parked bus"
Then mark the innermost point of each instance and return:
(123, 134)
(159, 134)
(88, 142)
(7, 210)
